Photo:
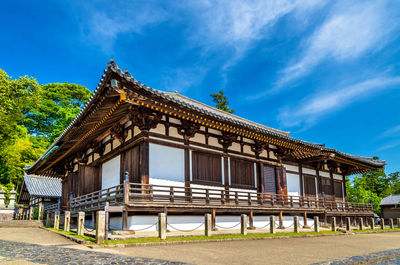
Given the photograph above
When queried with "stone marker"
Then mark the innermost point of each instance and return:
(243, 224)
(361, 224)
(348, 224)
(372, 223)
(31, 211)
(11, 203)
(207, 224)
(334, 224)
(391, 223)
(296, 224)
(67, 218)
(57, 220)
(272, 228)
(100, 226)
(382, 223)
(316, 224)
(162, 225)
(81, 224)
(2, 198)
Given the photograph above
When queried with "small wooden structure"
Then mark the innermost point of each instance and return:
(143, 151)
(40, 192)
(390, 207)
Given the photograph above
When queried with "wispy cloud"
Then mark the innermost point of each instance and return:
(390, 145)
(314, 107)
(102, 26)
(351, 31)
(394, 131)
(236, 24)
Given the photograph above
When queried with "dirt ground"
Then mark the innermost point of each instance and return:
(270, 251)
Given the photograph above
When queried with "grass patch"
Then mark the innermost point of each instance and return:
(376, 230)
(86, 238)
(214, 237)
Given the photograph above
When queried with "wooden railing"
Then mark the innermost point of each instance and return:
(136, 193)
(51, 208)
(98, 199)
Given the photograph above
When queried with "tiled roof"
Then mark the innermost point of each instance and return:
(391, 200)
(43, 186)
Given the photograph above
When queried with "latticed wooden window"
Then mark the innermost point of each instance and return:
(326, 186)
(269, 179)
(206, 167)
(242, 172)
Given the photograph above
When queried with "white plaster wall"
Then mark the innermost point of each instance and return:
(159, 129)
(291, 168)
(166, 163)
(141, 223)
(213, 142)
(309, 171)
(110, 173)
(247, 150)
(199, 138)
(173, 132)
(337, 176)
(293, 184)
(235, 147)
(210, 130)
(324, 174)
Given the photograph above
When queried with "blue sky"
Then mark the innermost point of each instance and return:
(327, 71)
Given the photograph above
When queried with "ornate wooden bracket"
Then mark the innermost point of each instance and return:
(257, 148)
(227, 139)
(188, 129)
(118, 132)
(81, 157)
(97, 148)
(145, 119)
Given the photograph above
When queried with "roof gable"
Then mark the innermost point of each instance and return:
(40, 186)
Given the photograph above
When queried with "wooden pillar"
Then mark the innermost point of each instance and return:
(281, 220)
(319, 182)
(344, 186)
(251, 220)
(124, 219)
(226, 179)
(305, 220)
(301, 180)
(187, 170)
(144, 159)
(213, 222)
(361, 224)
(332, 183)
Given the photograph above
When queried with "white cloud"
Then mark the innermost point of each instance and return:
(391, 132)
(389, 146)
(237, 24)
(350, 32)
(313, 108)
(102, 26)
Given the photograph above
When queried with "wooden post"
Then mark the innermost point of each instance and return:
(57, 220)
(126, 187)
(243, 224)
(93, 220)
(361, 223)
(305, 220)
(124, 220)
(334, 224)
(67, 217)
(382, 223)
(296, 224)
(372, 223)
(207, 224)
(214, 228)
(162, 225)
(48, 219)
(100, 227)
(272, 228)
(391, 223)
(251, 220)
(281, 220)
(348, 224)
(316, 224)
(31, 211)
(81, 224)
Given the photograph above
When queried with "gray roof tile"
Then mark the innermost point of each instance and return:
(43, 186)
(391, 200)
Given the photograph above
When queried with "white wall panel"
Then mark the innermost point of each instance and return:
(110, 173)
(293, 184)
(166, 163)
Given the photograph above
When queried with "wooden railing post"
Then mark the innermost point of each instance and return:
(171, 194)
(207, 197)
(126, 187)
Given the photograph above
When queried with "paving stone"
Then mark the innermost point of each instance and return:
(12, 251)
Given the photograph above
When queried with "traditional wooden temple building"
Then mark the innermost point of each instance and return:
(146, 151)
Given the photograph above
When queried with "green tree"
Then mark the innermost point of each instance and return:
(60, 103)
(222, 102)
(356, 192)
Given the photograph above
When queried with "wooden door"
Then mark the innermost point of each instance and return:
(269, 179)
